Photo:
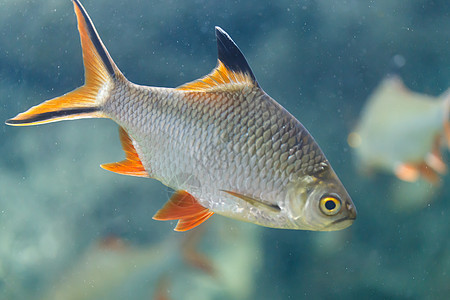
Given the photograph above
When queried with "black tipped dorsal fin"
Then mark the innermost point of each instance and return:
(230, 54)
(232, 70)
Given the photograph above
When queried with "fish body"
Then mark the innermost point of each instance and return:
(221, 142)
(400, 131)
(240, 141)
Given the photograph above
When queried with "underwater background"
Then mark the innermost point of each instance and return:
(70, 230)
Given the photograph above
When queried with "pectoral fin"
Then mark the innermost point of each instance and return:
(255, 202)
(183, 207)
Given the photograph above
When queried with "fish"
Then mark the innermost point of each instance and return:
(220, 142)
(402, 132)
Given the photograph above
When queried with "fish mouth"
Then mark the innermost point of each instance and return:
(340, 223)
(343, 219)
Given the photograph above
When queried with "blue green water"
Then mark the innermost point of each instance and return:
(319, 59)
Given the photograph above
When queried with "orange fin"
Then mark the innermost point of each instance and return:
(232, 70)
(184, 207)
(255, 202)
(131, 165)
(435, 162)
(86, 101)
(428, 173)
(191, 222)
(407, 172)
(411, 173)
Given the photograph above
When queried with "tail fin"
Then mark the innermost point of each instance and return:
(86, 101)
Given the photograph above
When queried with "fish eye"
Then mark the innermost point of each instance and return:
(330, 205)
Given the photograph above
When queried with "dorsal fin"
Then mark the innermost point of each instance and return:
(232, 70)
(230, 54)
(131, 165)
(184, 207)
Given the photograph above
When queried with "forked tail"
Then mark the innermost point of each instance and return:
(85, 101)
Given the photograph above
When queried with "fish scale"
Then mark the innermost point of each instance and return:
(220, 142)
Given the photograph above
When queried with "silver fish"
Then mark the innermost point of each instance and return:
(221, 142)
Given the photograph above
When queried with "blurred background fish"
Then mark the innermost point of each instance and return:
(173, 268)
(402, 132)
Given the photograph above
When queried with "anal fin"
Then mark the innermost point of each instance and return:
(131, 165)
(184, 207)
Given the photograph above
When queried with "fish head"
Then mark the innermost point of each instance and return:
(319, 202)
